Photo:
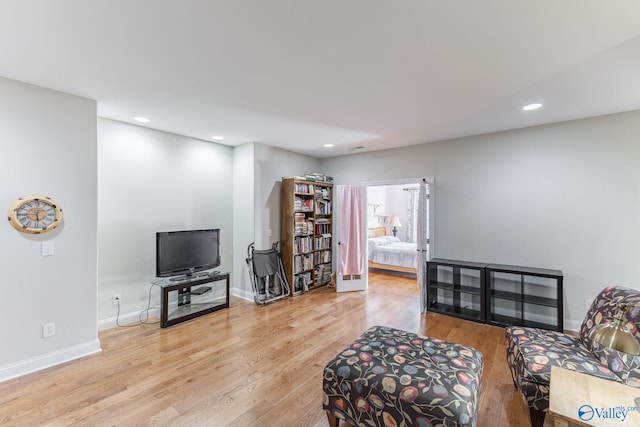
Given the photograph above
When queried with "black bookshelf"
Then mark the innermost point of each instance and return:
(498, 294)
(456, 288)
(531, 296)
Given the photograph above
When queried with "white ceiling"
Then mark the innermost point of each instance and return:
(300, 73)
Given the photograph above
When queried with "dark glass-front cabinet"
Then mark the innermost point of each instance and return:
(498, 294)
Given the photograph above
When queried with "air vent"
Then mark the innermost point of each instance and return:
(358, 148)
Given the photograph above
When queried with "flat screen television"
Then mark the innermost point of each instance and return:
(180, 253)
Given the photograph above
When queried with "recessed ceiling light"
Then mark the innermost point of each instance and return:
(328, 145)
(217, 137)
(531, 107)
(141, 119)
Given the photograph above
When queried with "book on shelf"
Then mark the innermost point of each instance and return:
(323, 192)
(304, 188)
(322, 273)
(323, 207)
(323, 241)
(303, 204)
(322, 257)
(302, 282)
(317, 177)
(303, 244)
(302, 224)
(302, 262)
(313, 177)
(323, 227)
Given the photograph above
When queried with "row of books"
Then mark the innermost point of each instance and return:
(303, 262)
(303, 204)
(323, 207)
(303, 244)
(302, 282)
(322, 257)
(322, 273)
(323, 228)
(316, 177)
(303, 188)
(323, 241)
(323, 192)
(306, 262)
(302, 224)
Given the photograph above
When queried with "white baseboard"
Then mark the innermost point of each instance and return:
(127, 319)
(241, 293)
(572, 325)
(48, 360)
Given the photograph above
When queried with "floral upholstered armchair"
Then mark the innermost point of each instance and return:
(531, 352)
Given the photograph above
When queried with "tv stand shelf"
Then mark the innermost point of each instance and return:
(189, 298)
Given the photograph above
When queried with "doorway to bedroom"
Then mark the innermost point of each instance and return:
(400, 228)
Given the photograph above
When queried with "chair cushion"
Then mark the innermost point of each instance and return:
(603, 310)
(534, 351)
(605, 307)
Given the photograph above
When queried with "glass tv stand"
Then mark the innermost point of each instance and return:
(186, 299)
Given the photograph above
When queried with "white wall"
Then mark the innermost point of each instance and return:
(271, 164)
(389, 201)
(563, 196)
(244, 216)
(150, 181)
(258, 172)
(48, 142)
(397, 201)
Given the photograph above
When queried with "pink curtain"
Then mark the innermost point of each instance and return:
(352, 254)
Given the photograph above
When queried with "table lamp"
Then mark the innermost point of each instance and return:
(395, 222)
(615, 335)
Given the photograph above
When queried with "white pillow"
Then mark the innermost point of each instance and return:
(374, 242)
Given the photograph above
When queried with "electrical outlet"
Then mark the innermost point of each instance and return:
(116, 299)
(48, 329)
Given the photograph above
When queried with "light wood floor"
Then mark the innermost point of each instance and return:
(246, 366)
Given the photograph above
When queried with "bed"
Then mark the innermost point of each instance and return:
(389, 253)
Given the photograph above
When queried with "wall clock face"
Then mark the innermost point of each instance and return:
(34, 214)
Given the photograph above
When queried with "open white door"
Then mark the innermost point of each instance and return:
(424, 242)
(350, 229)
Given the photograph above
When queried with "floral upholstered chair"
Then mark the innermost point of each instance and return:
(531, 352)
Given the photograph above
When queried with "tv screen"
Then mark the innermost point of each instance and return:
(187, 252)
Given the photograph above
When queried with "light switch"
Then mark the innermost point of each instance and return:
(47, 249)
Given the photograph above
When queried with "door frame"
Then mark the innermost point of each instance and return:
(430, 182)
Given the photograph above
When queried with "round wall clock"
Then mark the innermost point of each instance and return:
(34, 214)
